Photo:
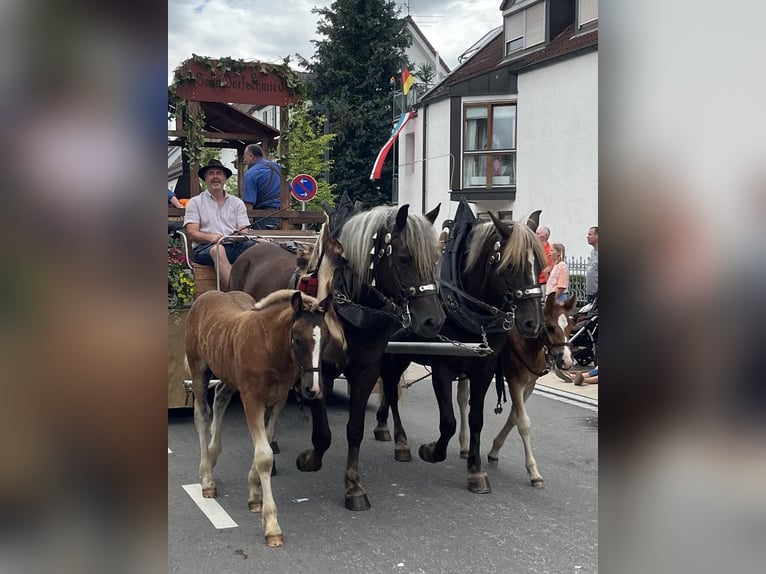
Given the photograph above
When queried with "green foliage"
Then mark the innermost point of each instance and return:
(362, 45)
(180, 279)
(425, 72)
(307, 144)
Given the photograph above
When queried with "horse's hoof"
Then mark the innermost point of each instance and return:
(209, 492)
(307, 462)
(274, 540)
(493, 460)
(358, 502)
(403, 454)
(254, 506)
(428, 453)
(274, 447)
(479, 484)
(383, 435)
(463, 454)
(537, 482)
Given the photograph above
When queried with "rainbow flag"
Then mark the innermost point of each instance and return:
(377, 167)
(407, 81)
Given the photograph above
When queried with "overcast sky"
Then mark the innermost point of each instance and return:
(270, 30)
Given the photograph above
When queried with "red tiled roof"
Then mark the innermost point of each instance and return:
(562, 44)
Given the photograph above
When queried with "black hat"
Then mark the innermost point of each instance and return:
(213, 163)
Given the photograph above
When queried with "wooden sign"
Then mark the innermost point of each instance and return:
(195, 81)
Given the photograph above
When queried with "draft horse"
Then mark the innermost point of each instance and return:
(267, 267)
(383, 283)
(261, 350)
(495, 290)
(524, 360)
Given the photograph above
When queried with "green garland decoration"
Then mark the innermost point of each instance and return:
(195, 127)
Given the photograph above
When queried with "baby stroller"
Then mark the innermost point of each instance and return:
(584, 339)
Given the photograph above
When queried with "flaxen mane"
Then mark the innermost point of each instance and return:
(417, 235)
(514, 254)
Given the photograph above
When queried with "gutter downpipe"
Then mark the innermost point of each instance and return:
(423, 159)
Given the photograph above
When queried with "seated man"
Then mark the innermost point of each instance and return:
(214, 214)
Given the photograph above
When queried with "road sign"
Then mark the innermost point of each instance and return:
(303, 187)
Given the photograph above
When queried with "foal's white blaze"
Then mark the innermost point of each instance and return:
(531, 259)
(317, 336)
(567, 359)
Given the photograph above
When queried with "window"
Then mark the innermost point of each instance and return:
(489, 148)
(525, 28)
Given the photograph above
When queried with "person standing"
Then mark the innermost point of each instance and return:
(263, 185)
(558, 280)
(591, 272)
(212, 215)
(544, 233)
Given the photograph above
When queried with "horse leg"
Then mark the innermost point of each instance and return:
(493, 457)
(478, 482)
(223, 394)
(260, 498)
(311, 460)
(391, 373)
(361, 382)
(518, 395)
(441, 379)
(462, 403)
(272, 415)
(200, 375)
(381, 431)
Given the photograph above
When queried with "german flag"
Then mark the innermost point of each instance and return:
(407, 81)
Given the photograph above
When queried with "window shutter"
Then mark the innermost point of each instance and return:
(535, 29)
(588, 11)
(514, 26)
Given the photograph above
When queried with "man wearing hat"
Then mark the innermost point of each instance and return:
(213, 214)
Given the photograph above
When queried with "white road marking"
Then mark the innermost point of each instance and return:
(555, 397)
(209, 507)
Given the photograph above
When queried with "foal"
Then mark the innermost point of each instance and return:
(261, 350)
(524, 360)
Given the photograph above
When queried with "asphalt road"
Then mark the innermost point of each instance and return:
(423, 518)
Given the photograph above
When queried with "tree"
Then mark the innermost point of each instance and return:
(307, 144)
(363, 45)
(426, 72)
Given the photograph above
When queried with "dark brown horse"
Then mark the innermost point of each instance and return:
(385, 282)
(262, 351)
(495, 290)
(266, 267)
(524, 360)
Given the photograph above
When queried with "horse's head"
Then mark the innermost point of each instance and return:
(558, 328)
(512, 272)
(314, 328)
(397, 259)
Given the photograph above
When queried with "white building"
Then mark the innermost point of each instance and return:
(514, 127)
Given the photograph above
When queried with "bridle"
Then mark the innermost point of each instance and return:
(396, 306)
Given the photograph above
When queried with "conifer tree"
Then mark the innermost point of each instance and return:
(361, 47)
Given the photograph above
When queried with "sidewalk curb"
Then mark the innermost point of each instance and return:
(566, 395)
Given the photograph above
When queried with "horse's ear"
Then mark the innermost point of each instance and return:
(324, 304)
(401, 216)
(533, 221)
(503, 229)
(570, 303)
(549, 301)
(296, 301)
(434, 213)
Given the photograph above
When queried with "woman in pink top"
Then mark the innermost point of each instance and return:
(558, 280)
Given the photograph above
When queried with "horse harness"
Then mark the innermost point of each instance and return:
(460, 305)
(392, 309)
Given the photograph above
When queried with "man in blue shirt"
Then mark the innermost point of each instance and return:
(263, 183)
